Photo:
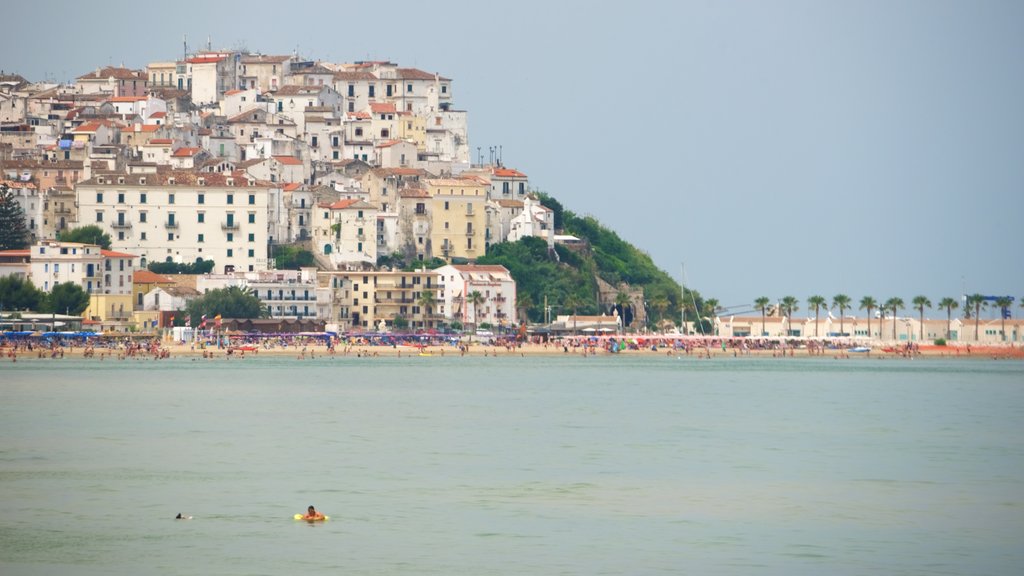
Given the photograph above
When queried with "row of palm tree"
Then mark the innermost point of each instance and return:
(842, 302)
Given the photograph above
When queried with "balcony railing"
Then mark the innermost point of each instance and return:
(170, 224)
(229, 225)
(122, 225)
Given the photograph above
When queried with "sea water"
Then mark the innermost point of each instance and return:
(540, 465)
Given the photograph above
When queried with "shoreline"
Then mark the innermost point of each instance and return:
(311, 352)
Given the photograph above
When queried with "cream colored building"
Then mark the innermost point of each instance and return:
(344, 232)
(182, 216)
(361, 300)
(459, 214)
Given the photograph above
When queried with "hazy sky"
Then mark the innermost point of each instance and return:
(777, 148)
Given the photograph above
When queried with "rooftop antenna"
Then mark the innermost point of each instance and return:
(209, 44)
(184, 46)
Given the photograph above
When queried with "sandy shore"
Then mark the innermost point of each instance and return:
(175, 350)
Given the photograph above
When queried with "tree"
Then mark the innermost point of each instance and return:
(711, 308)
(841, 301)
(426, 302)
(868, 303)
(292, 258)
(573, 302)
(762, 304)
(790, 305)
(523, 305)
(66, 297)
(660, 303)
(199, 267)
(476, 299)
(949, 304)
(1003, 303)
(894, 304)
(91, 234)
(920, 303)
(232, 302)
(19, 294)
(816, 302)
(13, 231)
(977, 302)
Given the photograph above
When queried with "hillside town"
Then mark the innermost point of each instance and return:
(229, 156)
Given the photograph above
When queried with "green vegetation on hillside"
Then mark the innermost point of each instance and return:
(568, 282)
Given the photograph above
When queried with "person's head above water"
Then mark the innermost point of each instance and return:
(311, 509)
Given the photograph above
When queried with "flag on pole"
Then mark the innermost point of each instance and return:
(216, 320)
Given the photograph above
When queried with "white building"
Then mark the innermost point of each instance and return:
(182, 216)
(345, 232)
(459, 282)
(96, 270)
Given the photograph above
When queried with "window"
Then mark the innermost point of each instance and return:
(170, 198)
(201, 238)
(252, 237)
(231, 198)
(170, 237)
(445, 204)
(252, 217)
(252, 253)
(120, 197)
(231, 253)
(99, 216)
(142, 198)
(408, 87)
(120, 234)
(202, 217)
(252, 199)
(231, 237)
(99, 197)
(372, 91)
(359, 132)
(142, 236)
(201, 198)
(351, 90)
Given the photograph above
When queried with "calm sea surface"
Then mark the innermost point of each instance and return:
(478, 466)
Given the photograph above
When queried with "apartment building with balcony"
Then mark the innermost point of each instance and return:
(182, 216)
(457, 284)
(459, 209)
(362, 300)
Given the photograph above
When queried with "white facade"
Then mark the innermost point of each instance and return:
(496, 287)
(182, 216)
(96, 270)
(345, 232)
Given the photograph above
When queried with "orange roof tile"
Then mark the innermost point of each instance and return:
(185, 152)
(382, 107)
(288, 160)
(147, 277)
(112, 254)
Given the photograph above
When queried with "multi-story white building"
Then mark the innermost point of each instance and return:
(96, 270)
(182, 216)
(371, 300)
(459, 283)
(345, 232)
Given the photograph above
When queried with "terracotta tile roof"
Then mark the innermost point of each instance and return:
(288, 160)
(339, 205)
(296, 90)
(147, 277)
(358, 115)
(15, 253)
(205, 59)
(291, 186)
(112, 254)
(480, 268)
(111, 71)
(158, 115)
(184, 178)
(508, 173)
(353, 76)
(382, 107)
(186, 152)
(128, 99)
(417, 74)
(159, 142)
(233, 92)
(246, 116)
(509, 203)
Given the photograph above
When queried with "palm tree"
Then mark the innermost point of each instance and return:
(841, 301)
(426, 302)
(977, 301)
(622, 300)
(572, 301)
(762, 304)
(817, 302)
(1003, 303)
(949, 304)
(790, 305)
(894, 304)
(711, 308)
(523, 304)
(921, 302)
(660, 303)
(476, 299)
(868, 303)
